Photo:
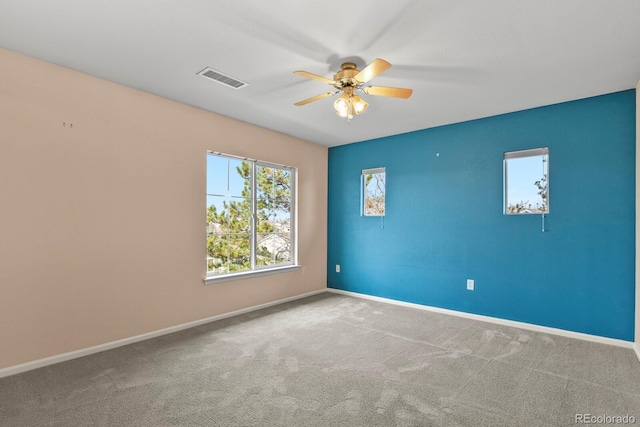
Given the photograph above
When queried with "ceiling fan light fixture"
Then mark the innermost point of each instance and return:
(359, 104)
(349, 105)
(343, 106)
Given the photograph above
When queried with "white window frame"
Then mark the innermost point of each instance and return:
(363, 190)
(544, 151)
(256, 270)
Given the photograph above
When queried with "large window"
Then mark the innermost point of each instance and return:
(250, 216)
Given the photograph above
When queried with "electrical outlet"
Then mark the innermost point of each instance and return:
(471, 284)
(337, 268)
(304, 271)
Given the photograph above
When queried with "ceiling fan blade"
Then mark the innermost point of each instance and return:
(314, 98)
(313, 76)
(378, 66)
(395, 92)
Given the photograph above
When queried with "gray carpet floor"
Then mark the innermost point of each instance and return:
(333, 360)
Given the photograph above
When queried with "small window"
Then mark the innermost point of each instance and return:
(373, 192)
(526, 182)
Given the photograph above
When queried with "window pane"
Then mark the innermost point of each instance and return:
(283, 220)
(373, 190)
(265, 190)
(239, 252)
(217, 253)
(273, 249)
(239, 215)
(264, 249)
(269, 221)
(282, 189)
(239, 178)
(526, 182)
(273, 199)
(217, 175)
(282, 208)
(282, 255)
(217, 214)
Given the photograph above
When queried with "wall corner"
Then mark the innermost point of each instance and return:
(637, 311)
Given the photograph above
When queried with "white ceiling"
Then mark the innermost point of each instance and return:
(464, 59)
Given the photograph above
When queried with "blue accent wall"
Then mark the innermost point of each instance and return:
(444, 219)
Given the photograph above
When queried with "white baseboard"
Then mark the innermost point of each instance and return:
(636, 348)
(16, 369)
(511, 323)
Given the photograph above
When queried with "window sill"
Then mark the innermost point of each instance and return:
(210, 280)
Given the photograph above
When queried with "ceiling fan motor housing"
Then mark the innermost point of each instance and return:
(346, 76)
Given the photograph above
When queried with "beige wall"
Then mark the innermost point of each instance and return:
(102, 223)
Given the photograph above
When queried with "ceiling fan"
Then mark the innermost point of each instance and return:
(350, 81)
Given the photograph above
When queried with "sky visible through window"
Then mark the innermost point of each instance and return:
(522, 175)
(221, 172)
